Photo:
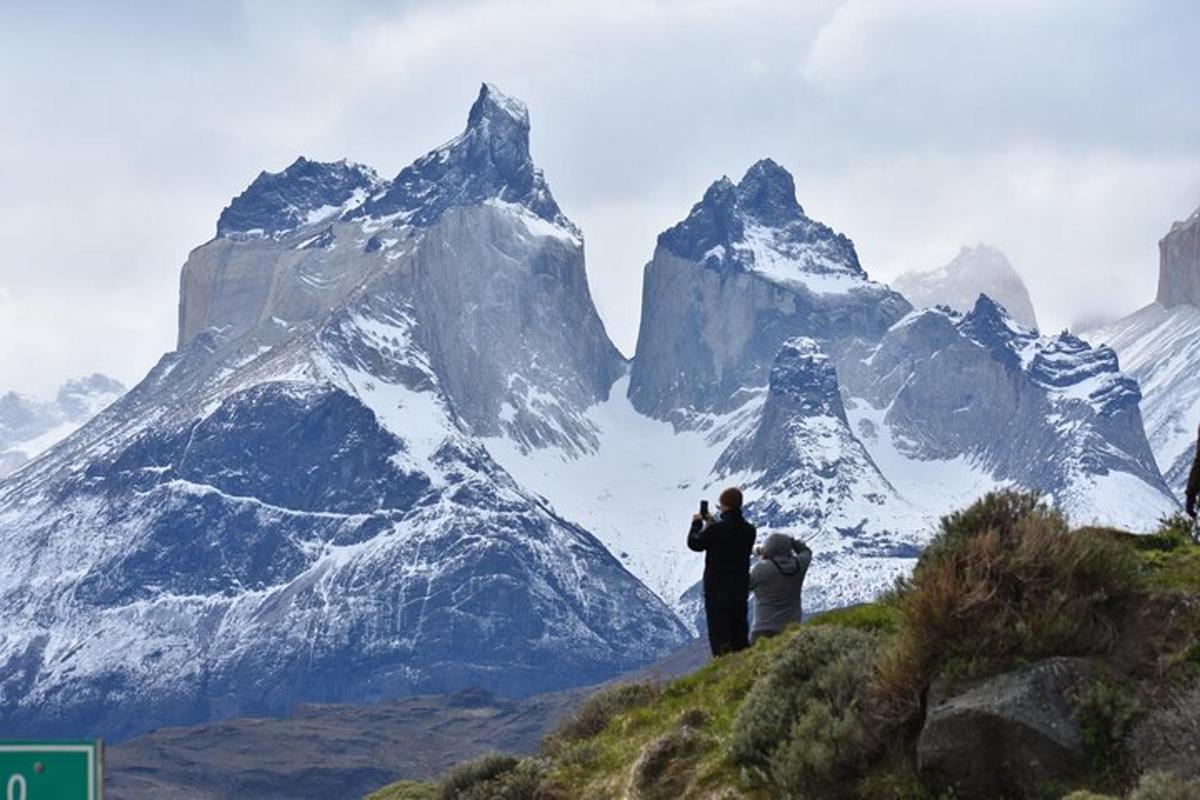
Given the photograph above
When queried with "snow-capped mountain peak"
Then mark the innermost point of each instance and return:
(758, 225)
(490, 160)
(493, 103)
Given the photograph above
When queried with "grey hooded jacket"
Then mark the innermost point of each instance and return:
(777, 580)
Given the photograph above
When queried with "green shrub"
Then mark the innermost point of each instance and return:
(995, 511)
(491, 777)
(1107, 711)
(598, 710)
(1164, 786)
(801, 727)
(1004, 581)
(1175, 531)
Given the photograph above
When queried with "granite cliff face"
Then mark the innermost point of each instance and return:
(1179, 264)
(294, 505)
(974, 271)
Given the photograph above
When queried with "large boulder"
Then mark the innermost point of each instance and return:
(1168, 738)
(1011, 736)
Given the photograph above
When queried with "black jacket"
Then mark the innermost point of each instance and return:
(1193, 484)
(727, 545)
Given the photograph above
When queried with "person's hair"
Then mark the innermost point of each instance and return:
(732, 498)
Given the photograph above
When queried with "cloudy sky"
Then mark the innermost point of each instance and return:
(1065, 133)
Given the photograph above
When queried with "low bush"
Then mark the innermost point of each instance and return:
(491, 777)
(595, 713)
(1004, 581)
(1106, 711)
(801, 728)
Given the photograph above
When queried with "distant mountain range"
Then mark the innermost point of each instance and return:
(29, 426)
(395, 451)
(974, 271)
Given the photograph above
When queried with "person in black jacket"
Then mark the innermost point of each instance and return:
(1193, 484)
(727, 542)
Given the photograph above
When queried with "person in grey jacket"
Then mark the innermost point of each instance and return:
(776, 581)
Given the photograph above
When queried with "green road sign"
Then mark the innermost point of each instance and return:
(51, 770)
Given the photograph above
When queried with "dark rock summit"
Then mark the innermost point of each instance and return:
(278, 202)
(715, 230)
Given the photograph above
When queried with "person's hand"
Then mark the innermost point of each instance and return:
(697, 518)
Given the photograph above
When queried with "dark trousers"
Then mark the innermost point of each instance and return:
(725, 613)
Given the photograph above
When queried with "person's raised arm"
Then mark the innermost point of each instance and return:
(697, 539)
(803, 552)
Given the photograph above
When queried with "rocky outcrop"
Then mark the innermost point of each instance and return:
(1167, 739)
(974, 271)
(1013, 735)
(1179, 264)
(744, 272)
(1049, 413)
(304, 193)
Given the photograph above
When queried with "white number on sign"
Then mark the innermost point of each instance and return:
(16, 787)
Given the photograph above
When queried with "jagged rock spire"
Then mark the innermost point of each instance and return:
(490, 160)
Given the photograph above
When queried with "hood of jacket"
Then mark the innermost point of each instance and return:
(778, 550)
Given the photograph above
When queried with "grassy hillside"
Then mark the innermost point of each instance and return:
(833, 708)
